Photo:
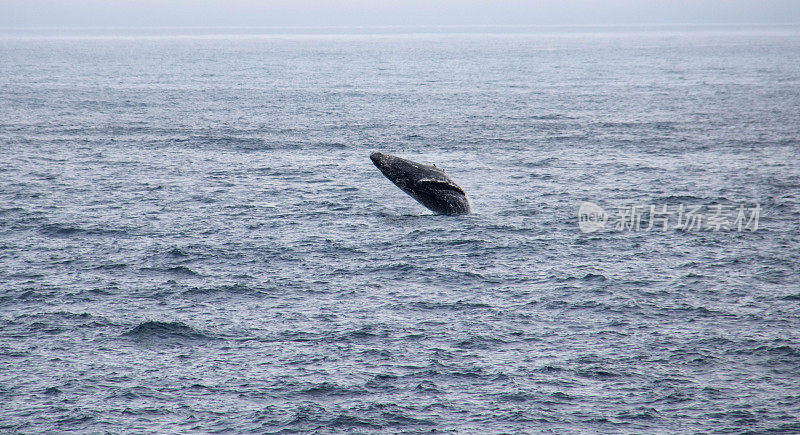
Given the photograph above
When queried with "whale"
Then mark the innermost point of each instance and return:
(428, 184)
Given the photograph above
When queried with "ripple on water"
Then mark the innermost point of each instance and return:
(173, 332)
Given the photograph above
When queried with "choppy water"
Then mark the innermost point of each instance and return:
(193, 238)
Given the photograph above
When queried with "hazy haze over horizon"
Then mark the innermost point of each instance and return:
(350, 13)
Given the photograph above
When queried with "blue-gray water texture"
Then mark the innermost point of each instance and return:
(193, 237)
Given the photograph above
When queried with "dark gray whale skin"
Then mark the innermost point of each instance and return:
(429, 185)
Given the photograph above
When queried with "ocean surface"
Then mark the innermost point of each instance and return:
(194, 240)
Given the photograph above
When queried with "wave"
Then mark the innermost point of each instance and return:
(444, 306)
(150, 330)
(232, 289)
(176, 270)
(62, 230)
(331, 389)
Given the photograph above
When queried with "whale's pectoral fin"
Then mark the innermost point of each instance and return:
(439, 185)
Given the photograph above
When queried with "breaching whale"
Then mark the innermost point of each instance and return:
(429, 185)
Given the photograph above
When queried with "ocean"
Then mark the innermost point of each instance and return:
(193, 238)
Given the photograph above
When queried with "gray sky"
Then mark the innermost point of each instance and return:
(288, 13)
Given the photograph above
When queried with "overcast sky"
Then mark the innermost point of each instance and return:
(315, 13)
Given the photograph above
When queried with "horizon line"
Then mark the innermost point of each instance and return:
(407, 26)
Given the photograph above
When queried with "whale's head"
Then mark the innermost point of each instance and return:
(381, 161)
(402, 172)
(426, 183)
